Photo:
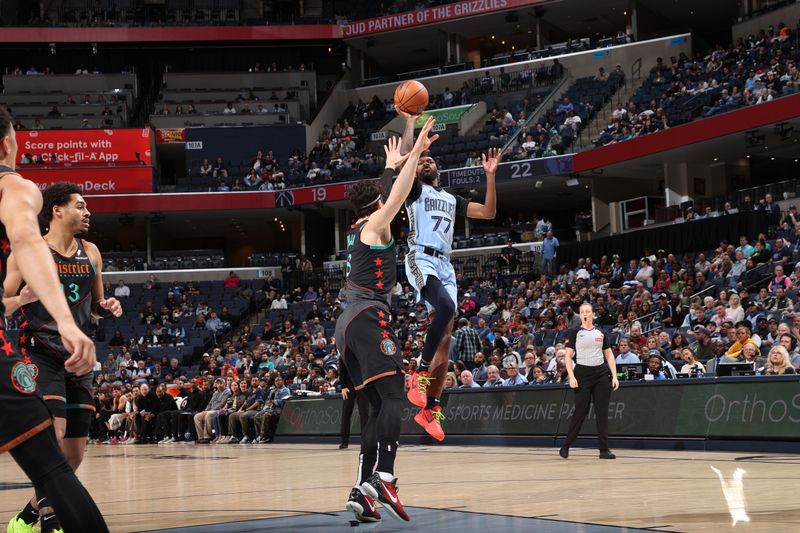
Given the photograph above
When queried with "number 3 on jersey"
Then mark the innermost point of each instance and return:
(71, 294)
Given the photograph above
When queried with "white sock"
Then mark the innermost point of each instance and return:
(385, 476)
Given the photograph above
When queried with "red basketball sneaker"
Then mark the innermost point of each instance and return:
(418, 389)
(386, 493)
(362, 506)
(431, 421)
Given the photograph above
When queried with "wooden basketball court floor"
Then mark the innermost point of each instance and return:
(303, 487)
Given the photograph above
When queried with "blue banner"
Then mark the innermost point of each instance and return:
(508, 171)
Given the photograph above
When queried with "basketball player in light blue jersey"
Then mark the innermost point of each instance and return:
(432, 213)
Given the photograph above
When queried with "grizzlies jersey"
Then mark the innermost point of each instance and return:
(371, 270)
(431, 216)
(77, 275)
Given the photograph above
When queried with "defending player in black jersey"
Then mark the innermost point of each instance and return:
(25, 423)
(68, 396)
(371, 360)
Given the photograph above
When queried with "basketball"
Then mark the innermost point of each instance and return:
(411, 97)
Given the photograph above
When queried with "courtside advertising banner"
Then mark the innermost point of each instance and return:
(728, 408)
(95, 180)
(86, 147)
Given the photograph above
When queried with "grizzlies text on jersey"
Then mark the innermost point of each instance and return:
(432, 217)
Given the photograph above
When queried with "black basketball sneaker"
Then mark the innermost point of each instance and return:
(362, 506)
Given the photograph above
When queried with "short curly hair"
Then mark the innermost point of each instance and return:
(364, 195)
(57, 194)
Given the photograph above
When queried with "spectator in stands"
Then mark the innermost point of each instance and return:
(232, 281)
(214, 324)
(467, 343)
(565, 106)
(778, 363)
(203, 419)
(507, 260)
(305, 264)
(703, 347)
(780, 303)
(693, 367)
(219, 170)
(549, 252)
(205, 168)
(279, 303)
(573, 121)
(539, 377)
(229, 109)
(468, 381)
(255, 396)
(781, 253)
(267, 420)
(310, 295)
(467, 306)
(147, 407)
(493, 378)
(122, 290)
(626, 356)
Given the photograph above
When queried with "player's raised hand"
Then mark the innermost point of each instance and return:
(407, 116)
(491, 161)
(424, 141)
(83, 356)
(393, 157)
(111, 304)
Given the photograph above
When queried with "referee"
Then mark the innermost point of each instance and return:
(588, 374)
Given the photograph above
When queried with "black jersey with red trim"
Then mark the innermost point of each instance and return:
(371, 270)
(77, 274)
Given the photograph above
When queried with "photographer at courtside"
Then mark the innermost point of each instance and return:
(589, 375)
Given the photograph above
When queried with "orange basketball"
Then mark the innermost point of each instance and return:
(411, 97)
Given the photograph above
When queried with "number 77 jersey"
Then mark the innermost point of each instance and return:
(38, 329)
(431, 216)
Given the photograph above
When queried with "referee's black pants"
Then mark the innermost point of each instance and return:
(594, 386)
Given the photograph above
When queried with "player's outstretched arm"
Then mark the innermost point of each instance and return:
(383, 216)
(20, 204)
(488, 209)
(408, 132)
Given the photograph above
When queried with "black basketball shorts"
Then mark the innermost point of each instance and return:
(23, 413)
(66, 395)
(369, 347)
